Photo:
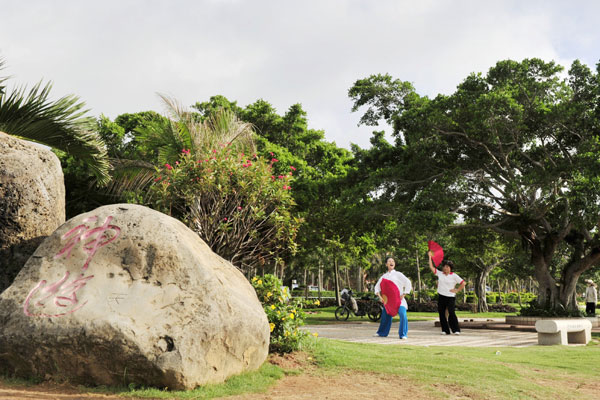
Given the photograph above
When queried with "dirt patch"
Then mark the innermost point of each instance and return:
(292, 361)
(356, 385)
(49, 390)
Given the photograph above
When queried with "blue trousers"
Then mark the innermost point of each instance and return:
(386, 323)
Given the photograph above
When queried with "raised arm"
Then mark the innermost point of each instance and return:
(431, 267)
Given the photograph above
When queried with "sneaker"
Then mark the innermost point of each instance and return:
(403, 338)
(444, 333)
(456, 333)
(377, 335)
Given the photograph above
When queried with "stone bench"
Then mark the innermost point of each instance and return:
(563, 331)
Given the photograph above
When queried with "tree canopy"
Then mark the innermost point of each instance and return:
(514, 151)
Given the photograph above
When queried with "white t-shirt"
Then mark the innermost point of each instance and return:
(447, 282)
(400, 280)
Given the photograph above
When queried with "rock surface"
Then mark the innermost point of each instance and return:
(32, 202)
(125, 294)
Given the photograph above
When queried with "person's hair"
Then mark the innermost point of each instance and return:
(448, 263)
(387, 258)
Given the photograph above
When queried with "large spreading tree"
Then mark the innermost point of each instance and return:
(515, 151)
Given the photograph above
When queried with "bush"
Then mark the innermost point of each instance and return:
(501, 308)
(472, 298)
(233, 201)
(283, 312)
(535, 310)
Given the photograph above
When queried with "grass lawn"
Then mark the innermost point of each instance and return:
(428, 372)
(459, 372)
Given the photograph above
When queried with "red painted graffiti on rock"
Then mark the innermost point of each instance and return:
(63, 293)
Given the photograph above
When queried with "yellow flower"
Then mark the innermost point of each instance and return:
(269, 294)
(315, 334)
(280, 300)
(254, 279)
(272, 306)
(286, 333)
(272, 326)
(278, 312)
(292, 315)
(260, 281)
(317, 303)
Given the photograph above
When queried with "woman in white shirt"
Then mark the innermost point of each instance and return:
(591, 298)
(447, 281)
(404, 288)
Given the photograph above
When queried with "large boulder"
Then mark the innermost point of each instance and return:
(125, 294)
(32, 202)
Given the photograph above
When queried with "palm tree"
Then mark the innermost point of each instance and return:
(167, 138)
(59, 124)
(185, 130)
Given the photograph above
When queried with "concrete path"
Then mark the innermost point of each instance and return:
(424, 333)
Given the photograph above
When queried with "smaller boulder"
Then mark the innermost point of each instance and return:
(32, 202)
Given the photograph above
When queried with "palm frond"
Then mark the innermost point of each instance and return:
(59, 124)
(130, 176)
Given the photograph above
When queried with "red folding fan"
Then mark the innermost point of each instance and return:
(438, 252)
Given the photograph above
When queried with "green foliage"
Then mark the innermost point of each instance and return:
(284, 314)
(233, 201)
(533, 309)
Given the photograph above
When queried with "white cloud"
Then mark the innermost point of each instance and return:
(116, 55)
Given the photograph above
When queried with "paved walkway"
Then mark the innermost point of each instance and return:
(424, 333)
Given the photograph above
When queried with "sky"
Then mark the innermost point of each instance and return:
(116, 56)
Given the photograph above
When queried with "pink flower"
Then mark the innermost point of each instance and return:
(168, 166)
(214, 151)
(239, 208)
(271, 153)
(292, 168)
(281, 177)
(274, 160)
(158, 179)
(225, 219)
(185, 151)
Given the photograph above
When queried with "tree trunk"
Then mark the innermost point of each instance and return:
(347, 283)
(480, 284)
(559, 294)
(320, 279)
(336, 282)
(418, 277)
(359, 279)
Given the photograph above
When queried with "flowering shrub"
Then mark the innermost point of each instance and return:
(284, 314)
(233, 201)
